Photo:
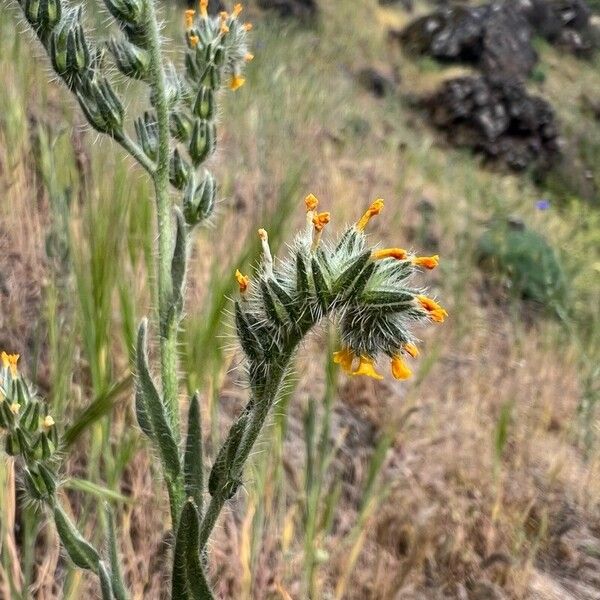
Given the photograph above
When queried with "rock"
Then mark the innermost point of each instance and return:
(498, 118)
(494, 37)
(506, 43)
(301, 9)
(497, 37)
(377, 82)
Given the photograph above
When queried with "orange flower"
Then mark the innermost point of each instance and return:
(311, 202)
(189, 17)
(397, 253)
(9, 361)
(237, 9)
(367, 367)
(411, 349)
(194, 39)
(247, 26)
(248, 56)
(243, 281)
(15, 407)
(224, 28)
(48, 422)
(428, 262)
(375, 208)
(204, 8)
(320, 220)
(236, 82)
(399, 368)
(436, 312)
(344, 358)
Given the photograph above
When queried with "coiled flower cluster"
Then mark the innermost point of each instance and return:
(366, 290)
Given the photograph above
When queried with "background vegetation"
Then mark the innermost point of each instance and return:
(479, 478)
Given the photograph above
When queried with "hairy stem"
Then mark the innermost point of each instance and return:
(164, 207)
(261, 404)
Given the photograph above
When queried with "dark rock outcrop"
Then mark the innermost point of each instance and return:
(498, 118)
(377, 82)
(494, 37)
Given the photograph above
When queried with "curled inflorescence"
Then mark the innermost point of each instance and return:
(366, 290)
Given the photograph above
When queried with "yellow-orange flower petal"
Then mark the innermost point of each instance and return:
(48, 422)
(344, 358)
(375, 208)
(311, 202)
(237, 9)
(242, 280)
(247, 26)
(427, 262)
(189, 17)
(320, 220)
(397, 253)
(9, 361)
(436, 312)
(236, 82)
(194, 39)
(224, 28)
(224, 15)
(15, 407)
(399, 368)
(411, 349)
(204, 8)
(367, 367)
(248, 56)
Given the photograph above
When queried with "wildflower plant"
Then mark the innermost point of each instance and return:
(366, 290)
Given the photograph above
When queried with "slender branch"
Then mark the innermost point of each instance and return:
(136, 152)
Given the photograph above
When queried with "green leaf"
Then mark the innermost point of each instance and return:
(193, 462)
(351, 272)
(321, 287)
(178, 263)
(161, 432)
(116, 577)
(189, 581)
(99, 408)
(81, 552)
(87, 487)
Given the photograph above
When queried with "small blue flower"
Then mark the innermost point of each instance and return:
(543, 204)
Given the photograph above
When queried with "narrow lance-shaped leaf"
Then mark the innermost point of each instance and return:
(105, 586)
(80, 551)
(193, 462)
(116, 577)
(155, 409)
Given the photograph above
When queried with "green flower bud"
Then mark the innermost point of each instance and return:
(130, 59)
(43, 14)
(199, 200)
(102, 106)
(203, 141)
(179, 171)
(204, 107)
(181, 126)
(125, 12)
(69, 51)
(146, 129)
(211, 77)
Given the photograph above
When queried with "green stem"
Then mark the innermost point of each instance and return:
(261, 405)
(164, 208)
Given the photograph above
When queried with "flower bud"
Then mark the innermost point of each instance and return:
(199, 200)
(203, 141)
(211, 77)
(146, 129)
(43, 14)
(130, 59)
(68, 49)
(101, 106)
(204, 107)
(125, 12)
(181, 126)
(179, 171)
